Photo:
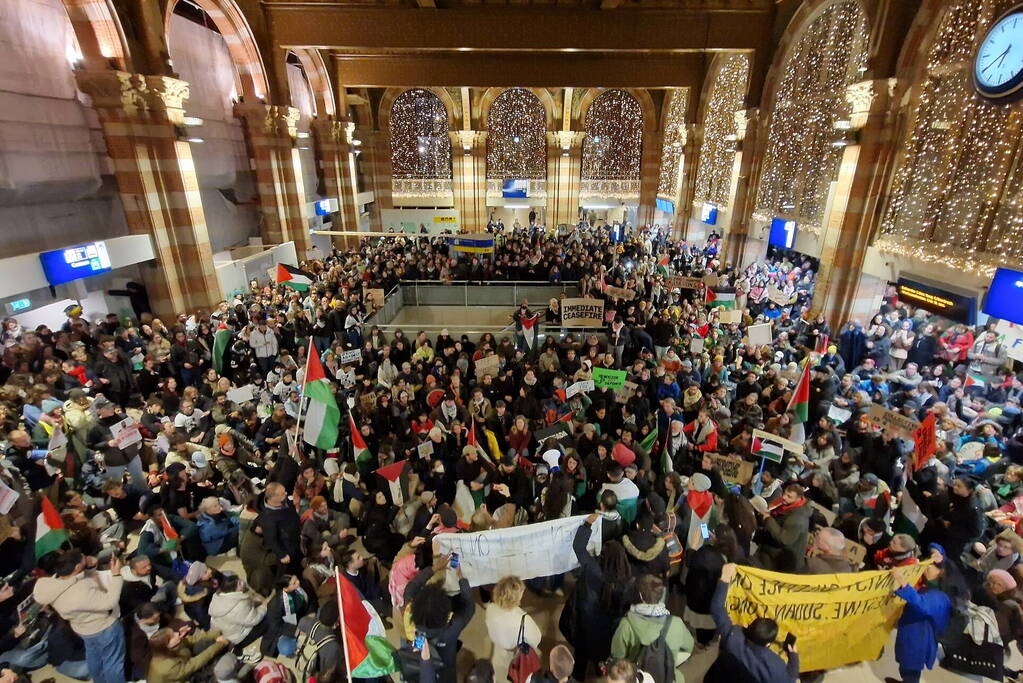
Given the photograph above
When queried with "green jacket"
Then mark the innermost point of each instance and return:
(184, 666)
(634, 631)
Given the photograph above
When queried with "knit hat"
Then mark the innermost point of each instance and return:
(199, 459)
(49, 405)
(195, 573)
(1001, 580)
(700, 482)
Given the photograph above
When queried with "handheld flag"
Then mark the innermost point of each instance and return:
(397, 482)
(767, 449)
(291, 276)
(170, 534)
(50, 531)
(723, 299)
(221, 340)
(322, 416)
(368, 653)
(359, 447)
(799, 404)
(822, 344)
(974, 379)
(529, 330)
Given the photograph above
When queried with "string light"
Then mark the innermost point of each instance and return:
(674, 145)
(957, 195)
(717, 153)
(517, 136)
(800, 161)
(420, 145)
(613, 145)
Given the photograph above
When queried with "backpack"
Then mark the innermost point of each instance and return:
(657, 659)
(307, 661)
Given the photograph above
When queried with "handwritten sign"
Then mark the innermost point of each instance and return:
(777, 296)
(925, 441)
(579, 387)
(374, 297)
(350, 357)
(489, 365)
(729, 316)
(241, 394)
(608, 379)
(760, 335)
(680, 282)
(626, 392)
(620, 293)
(733, 469)
(125, 433)
(889, 419)
(582, 312)
(424, 449)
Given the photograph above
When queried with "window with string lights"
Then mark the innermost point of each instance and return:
(957, 194)
(801, 160)
(613, 147)
(717, 153)
(517, 136)
(670, 180)
(420, 144)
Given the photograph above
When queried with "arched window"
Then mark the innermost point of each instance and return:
(800, 161)
(517, 136)
(957, 196)
(674, 144)
(717, 153)
(420, 145)
(613, 146)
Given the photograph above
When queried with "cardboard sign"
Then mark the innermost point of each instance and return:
(711, 280)
(733, 469)
(777, 296)
(760, 335)
(374, 297)
(240, 394)
(126, 433)
(696, 345)
(620, 293)
(424, 449)
(896, 422)
(579, 387)
(489, 365)
(680, 282)
(925, 441)
(608, 379)
(729, 316)
(351, 357)
(582, 312)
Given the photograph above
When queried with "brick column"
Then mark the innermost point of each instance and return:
(649, 177)
(270, 132)
(688, 164)
(332, 144)
(849, 226)
(142, 122)
(564, 174)
(740, 200)
(469, 178)
(376, 145)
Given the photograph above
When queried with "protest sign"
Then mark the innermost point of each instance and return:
(240, 394)
(696, 345)
(839, 415)
(582, 312)
(1011, 336)
(424, 449)
(8, 497)
(558, 430)
(711, 280)
(57, 446)
(529, 551)
(374, 297)
(861, 606)
(579, 387)
(620, 293)
(760, 335)
(626, 392)
(608, 379)
(488, 365)
(729, 316)
(925, 441)
(893, 421)
(733, 469)
(680, 282)
(350, 357)
(125, 433)
(777, 296)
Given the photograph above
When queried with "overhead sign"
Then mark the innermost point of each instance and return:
(472, 244)
(783, 233)
(939, 301)
(75, 263)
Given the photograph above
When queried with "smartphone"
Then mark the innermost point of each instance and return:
(454, 560)
(704, 531)
(790, 641)
(417, 644)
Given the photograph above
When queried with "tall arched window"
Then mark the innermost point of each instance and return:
(517, 136)
(674, 144)
(613, 146)
(420, 145)
(717, 153)
(957, 196)
(800, 161)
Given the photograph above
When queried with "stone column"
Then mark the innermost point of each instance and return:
(332, 140)
(142, 118)
(849, 225)
(270, 132)
(741, 197)
(649, 177)
(469, 178)
(564, 174)
(376, 145)
(688, 164)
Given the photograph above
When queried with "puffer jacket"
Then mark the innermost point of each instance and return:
(235, 614)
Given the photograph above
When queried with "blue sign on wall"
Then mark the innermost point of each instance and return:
(665, 205)
(74, 263)
(1005, 297)
(709, 213)
(783, 233)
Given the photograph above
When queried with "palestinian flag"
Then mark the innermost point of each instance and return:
(471, 439)
(293, 277)
(50, 531)
(909, 519)
(662, 265)
(359, 447)
(663, 260)
(529, 330)
(221, 340)
(722, 299)
(648, 443)
(370, 654)
(799, 404)
(322, 415)
(170, 534)
(394, 482)
(822, 344)
(763, 448)
(974, 379)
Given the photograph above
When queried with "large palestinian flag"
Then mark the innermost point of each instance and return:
(322, 415)
(370, 654)
(50, 531)
(294, 278)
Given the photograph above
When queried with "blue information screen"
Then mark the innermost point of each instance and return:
(515, 189)
(665, 206)
(74, 263)
(1005, 298)
(783, 233)
(709, 213)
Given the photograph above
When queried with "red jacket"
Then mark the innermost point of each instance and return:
(710, 441)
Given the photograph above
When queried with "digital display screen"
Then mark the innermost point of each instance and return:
(74, 263)
(323, 207)
(1005, 298)
(941, 302)
(18, 305)
(665, 206)
(783, 233)
(709, 213)
(515, 189)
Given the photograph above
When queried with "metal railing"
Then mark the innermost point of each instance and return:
(394, 301)
(486, 293)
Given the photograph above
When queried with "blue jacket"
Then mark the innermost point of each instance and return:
(668, 391)
(213, 532)
(924, 618)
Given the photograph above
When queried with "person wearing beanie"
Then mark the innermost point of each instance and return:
(196, 592)
(696, 511)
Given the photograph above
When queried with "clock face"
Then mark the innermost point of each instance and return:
(998, 67)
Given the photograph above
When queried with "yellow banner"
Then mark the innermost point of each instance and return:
(838, 619)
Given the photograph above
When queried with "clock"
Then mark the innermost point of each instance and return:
(998, 65)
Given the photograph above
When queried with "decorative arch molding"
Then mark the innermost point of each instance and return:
(319, 80)
(543, 94)
(391, 94)
(241, 43)
(99, 32)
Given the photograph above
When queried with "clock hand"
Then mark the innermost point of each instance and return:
(998, 59)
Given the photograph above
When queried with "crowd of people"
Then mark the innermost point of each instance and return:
(131, 590)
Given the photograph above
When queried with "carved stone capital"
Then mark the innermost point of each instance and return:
(744, 119)
(166, 93)
(568, 139)
(269, 119)
(114, 92)
(868, 97)
(468, 139)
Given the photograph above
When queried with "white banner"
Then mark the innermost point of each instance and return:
(579, 387)
(350, 357)
(542, 549)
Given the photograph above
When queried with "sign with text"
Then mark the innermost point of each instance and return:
(488, 365)
(579, 387)
(680, 282)
(620, 293)
(777, 296)
(734, 470)
(893, 421)
(582, 312)
(375, 297)
(350, 357)
(608, 379)
(925, 441)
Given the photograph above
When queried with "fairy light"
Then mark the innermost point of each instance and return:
(420, 145)
(613, 145)
(800, 161)
(517, 136)
(717, 153)
(958, 177)
(674, 145)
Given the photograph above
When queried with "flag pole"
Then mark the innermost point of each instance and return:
(341, 619)
(302, 396)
